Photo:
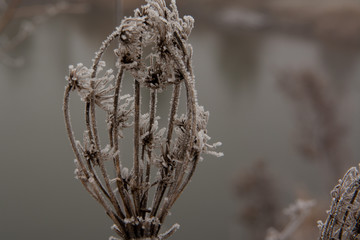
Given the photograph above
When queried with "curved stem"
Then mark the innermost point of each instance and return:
(112, 198)
(347, 212)
(191, 113)
(163, 185)
(89, 163)
(94, 192)
(70, 131)
(114, 128)
(179, 185)
(104, 45)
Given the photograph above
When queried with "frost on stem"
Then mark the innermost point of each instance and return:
(297, 212)
(343, 221)
(170, 153)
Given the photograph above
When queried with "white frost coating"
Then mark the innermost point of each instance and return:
(114, 227)
(168, 233)
(114, 238)
(217, 144)
(320, 224)
(76, 172)
(216, 154)
(300, 206)
(114, 180)
(129, 220)
(125, 173)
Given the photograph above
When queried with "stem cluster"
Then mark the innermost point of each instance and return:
(163, 159)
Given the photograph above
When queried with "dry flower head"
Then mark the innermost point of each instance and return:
(173, 152)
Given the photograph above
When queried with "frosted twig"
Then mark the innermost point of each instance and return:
(297, 212)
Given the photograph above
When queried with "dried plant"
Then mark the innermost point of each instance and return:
(258, 210)
(35, 16)
(343, 221)
(173, 152)
(7, 12)
(322, 133)
(297, 213)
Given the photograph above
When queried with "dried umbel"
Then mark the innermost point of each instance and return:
(164, 160)
(343, 221)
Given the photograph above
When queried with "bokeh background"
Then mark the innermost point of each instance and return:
(281, 79)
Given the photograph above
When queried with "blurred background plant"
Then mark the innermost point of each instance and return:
(242, 49)
(31, 15)
(320, 139)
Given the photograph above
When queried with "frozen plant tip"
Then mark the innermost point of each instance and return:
(164, 159)
(343, 221)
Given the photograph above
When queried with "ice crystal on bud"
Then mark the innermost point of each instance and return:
(164, 157)
(125, 173)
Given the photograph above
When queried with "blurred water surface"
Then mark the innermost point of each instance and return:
(237, 81)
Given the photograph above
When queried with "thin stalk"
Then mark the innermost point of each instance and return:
(158, 197)
(119, 223)
(136, 166)
(329, 224)
(191, 131)
(174, 107)
(94, 192)
(114, 126)
(70, 131)
(114, 139)
(180, 190)
(153, 98)
(93, 120)
(176, 94)
(347, 212)
(91, 138)
(191, 115)
(162, 185)
(113, 199)
(104, 45)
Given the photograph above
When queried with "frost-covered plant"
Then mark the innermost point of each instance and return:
(163, 159)
(343, 221)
